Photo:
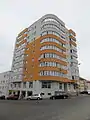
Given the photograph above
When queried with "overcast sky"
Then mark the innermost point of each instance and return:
(16, 15)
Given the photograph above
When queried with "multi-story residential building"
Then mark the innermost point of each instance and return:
(45, 58)
(4, 82)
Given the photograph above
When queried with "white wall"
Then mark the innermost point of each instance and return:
(37, 88)
(4, 83)
(88, 86)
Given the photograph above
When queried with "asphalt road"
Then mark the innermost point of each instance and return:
(67, 109)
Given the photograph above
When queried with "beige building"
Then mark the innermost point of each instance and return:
(82, 84)
(88, 85)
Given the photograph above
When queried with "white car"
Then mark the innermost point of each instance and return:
(34, 97)
(88, 92)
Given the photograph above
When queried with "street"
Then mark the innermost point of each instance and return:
(68, 109)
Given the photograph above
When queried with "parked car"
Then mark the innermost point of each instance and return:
(84, 92)
(12, 97)
(2, 97)
(60, 95)
(34, 97)
(88, 92)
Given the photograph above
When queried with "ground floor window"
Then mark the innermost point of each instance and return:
(19, 85)
(24, 85)
(69, 85)
(30, 84)
(75, 86)
(10, 92)
(46, 84)
(29, 93)
(60, 85)
(15, 85)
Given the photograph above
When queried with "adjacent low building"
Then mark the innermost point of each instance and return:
(4, 82)
(88, 85)
(82, 84)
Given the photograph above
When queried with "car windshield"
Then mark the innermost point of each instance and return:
(35, 95)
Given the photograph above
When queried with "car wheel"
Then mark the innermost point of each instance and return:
(28, 99)
(53, 98)
(38, 98)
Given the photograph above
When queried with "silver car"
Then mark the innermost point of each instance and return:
(34, 97)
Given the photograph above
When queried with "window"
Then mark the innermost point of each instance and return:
(11, 85)
(71, 57)
(41, 73)
(2, 87)
(33, 51)
(51, 73)
(15, 85)
(30, 84)
(74, 86)
(50, 26)
(69, 85)
(46, 84)
(50, 19)
(4, 76)
(51, 47)
(34, 33)
(3, 81)
(71, 51)
(24, 85)
(19, 85)
(32, 59)
(62, 37)
(25, 69)
(49, 93)
(60, 85)
(26, 62)
(72, 77)
(44, 33)
(52, 55)
(42, 93)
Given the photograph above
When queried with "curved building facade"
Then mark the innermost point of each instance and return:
(45, 58)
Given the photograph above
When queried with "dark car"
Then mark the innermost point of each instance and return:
(84, 92)
(12, 97)
(60, 95)
(2, 97)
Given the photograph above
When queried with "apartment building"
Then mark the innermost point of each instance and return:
(4, 82)
(45, 58)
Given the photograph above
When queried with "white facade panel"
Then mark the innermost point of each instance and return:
(5, 78)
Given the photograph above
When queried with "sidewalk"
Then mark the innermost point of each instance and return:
(79, 95)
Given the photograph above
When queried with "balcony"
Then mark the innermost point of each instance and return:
(74, 54)
(73, 48)
(74, 60)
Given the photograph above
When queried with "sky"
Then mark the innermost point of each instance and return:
(15, 15)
